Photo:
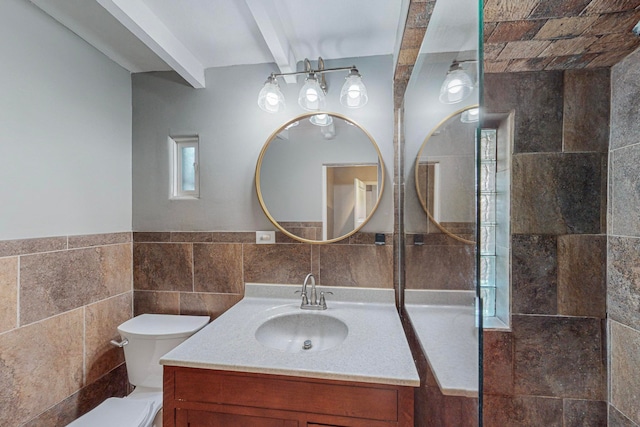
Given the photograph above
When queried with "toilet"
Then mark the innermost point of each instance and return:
(145, 339)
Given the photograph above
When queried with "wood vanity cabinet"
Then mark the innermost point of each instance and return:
(209, 398)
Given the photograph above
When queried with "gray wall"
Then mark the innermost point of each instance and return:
(291, 173)
(232, 131)
(423, 112)
(623, 257)
(65, 131)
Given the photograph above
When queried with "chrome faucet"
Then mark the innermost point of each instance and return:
(312, 303)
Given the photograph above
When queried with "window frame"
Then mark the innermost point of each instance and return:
(177, 144)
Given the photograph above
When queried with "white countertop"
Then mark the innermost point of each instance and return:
(374, 351)
(444, 322)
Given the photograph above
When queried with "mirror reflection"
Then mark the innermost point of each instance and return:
(319, 177)
(445, 175)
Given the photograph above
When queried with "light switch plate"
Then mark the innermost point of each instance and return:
(265, 237)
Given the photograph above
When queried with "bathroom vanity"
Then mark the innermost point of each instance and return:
(202, 397)
(254, 366)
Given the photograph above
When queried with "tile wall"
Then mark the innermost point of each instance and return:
(550, 369)
(61, 300)
(205, 272)
(623, 276)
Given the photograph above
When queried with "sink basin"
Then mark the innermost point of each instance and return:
(302, 332)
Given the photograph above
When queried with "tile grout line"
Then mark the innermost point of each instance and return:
(18, 293)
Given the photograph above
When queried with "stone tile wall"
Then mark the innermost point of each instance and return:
(205, 272)
(550, 369)
(623, 254)
(61, 300)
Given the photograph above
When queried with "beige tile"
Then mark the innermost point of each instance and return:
(408, 56)
(527, 64)
(113, 384)
(449, 267)
(56, 282)
(31, 246)
(233, 237)
(281, 263)
(610, 6)
(101, 322)
(412, 38)
(625, 370)
(613, 23)
(495, 66)
(151, 236)
(582, 275)
(218, 268)
(515, 31)
(367, 266)
(156, 302)
(508, 10)
(163, 266)
(207, 304)
(191, 236)
(565, 27)
(559, 357)
(98, 240)
(566, 47)
(8, 293)
(523, 49)
(40, 365)
(613, 42)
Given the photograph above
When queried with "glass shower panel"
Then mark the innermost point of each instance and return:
(441, 215)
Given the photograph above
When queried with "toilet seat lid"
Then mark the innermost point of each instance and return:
(120, 412)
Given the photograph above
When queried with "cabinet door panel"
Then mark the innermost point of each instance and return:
(215, 419)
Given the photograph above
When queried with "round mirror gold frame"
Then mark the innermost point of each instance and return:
(272, 137)
(423, 202)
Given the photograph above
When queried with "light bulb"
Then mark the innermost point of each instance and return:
(354, 92)
(311, 96)
(270, 99)
(456, 86)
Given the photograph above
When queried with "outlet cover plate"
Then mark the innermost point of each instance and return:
(265, 237)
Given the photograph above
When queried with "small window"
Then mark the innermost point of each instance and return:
(185, 167)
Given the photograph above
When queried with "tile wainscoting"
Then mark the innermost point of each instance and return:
(62, 299)
(205, 272)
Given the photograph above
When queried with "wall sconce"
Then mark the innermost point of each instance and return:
(312, 95)
(456, 86)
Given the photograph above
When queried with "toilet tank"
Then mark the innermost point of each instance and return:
(150, 337)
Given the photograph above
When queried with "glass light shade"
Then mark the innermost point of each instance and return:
(456, 86)
(321, 120)
(353, 93)
(311, 96)
(470, 116)
(270, 98)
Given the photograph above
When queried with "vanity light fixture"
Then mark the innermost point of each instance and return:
(312, 95)
(456, 86)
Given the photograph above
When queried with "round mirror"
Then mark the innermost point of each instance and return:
(445, 175)
(319, 177)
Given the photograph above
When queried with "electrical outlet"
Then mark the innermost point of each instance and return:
(265, 237)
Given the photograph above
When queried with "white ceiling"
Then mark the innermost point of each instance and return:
(189, 36)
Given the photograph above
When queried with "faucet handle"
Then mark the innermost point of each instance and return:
(322, 302)
(305, 300)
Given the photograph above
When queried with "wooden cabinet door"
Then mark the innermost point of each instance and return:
(191, 418)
